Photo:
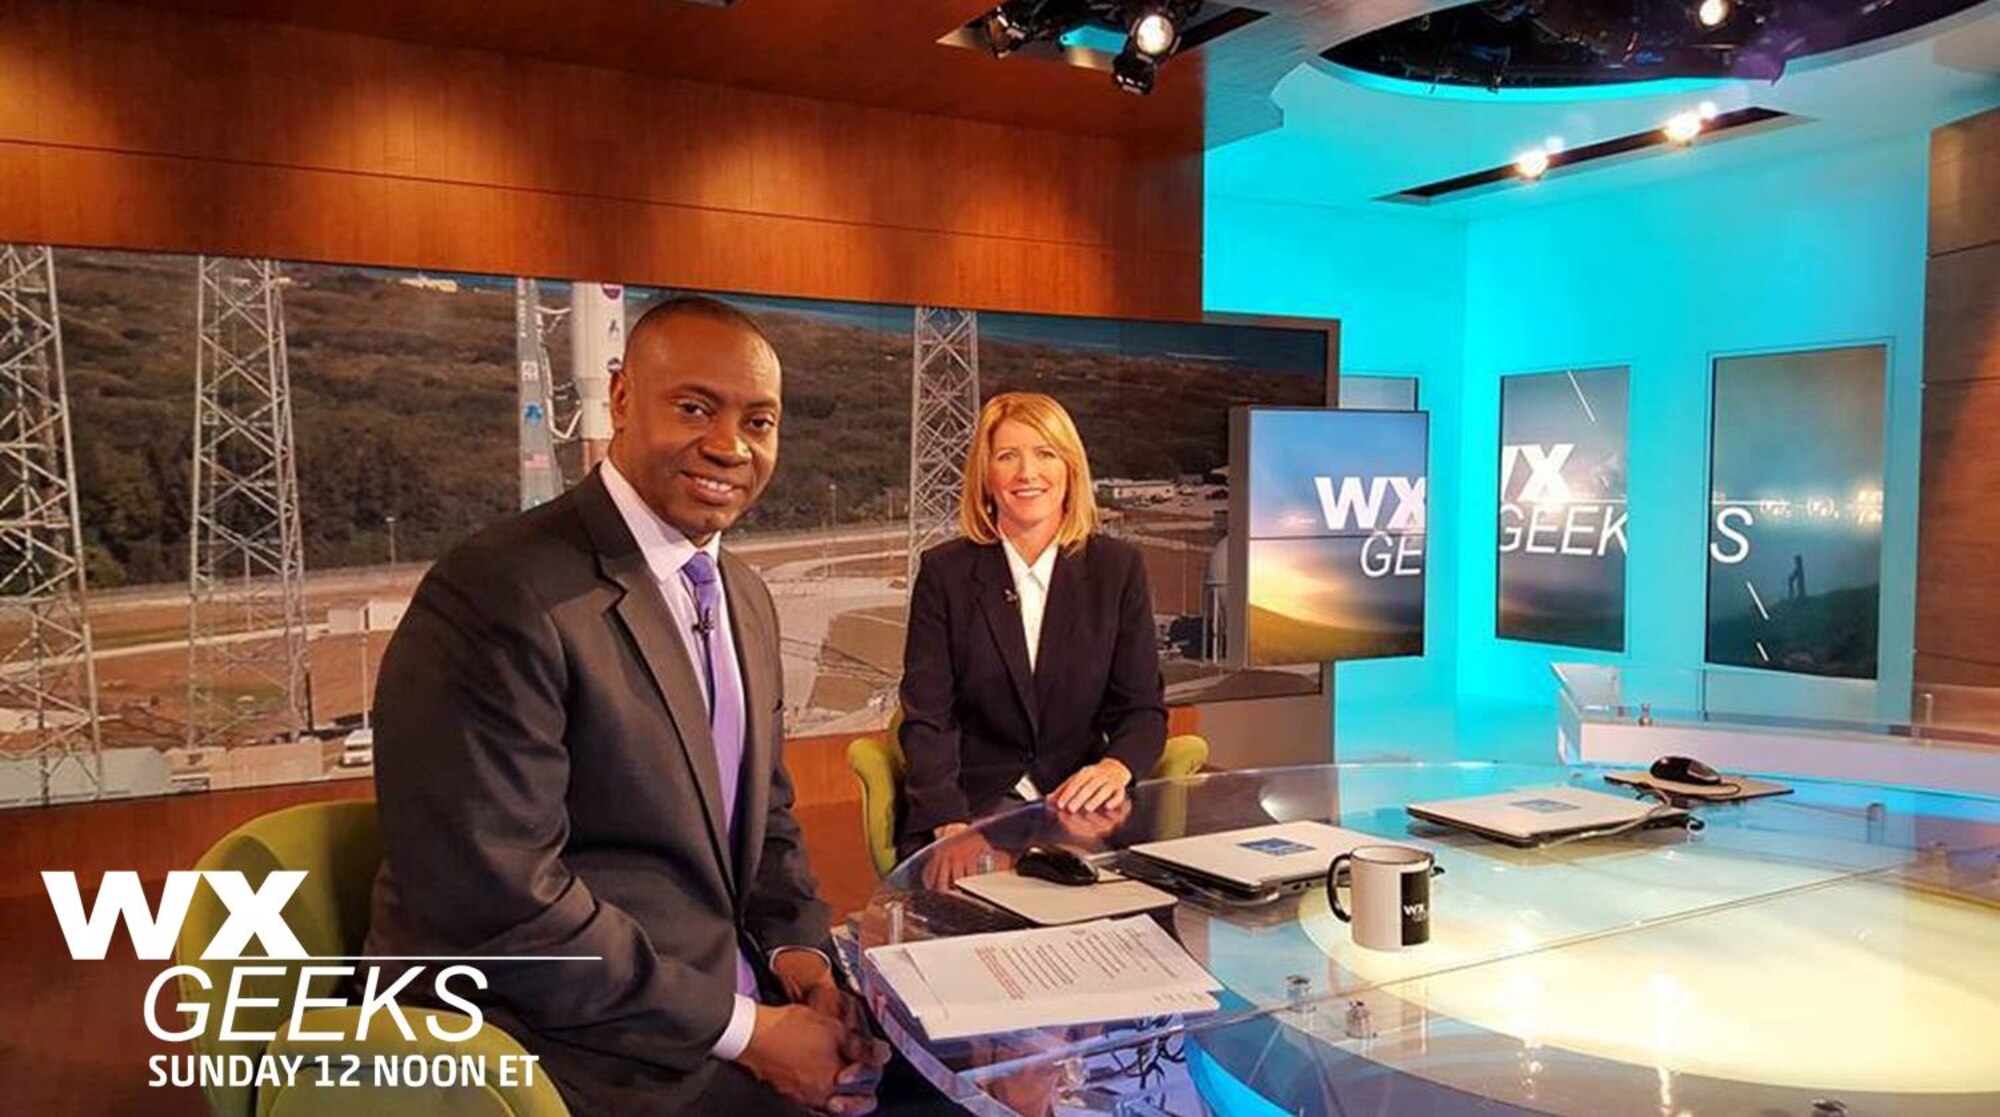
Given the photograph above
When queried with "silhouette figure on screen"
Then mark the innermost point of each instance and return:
(1795, 582)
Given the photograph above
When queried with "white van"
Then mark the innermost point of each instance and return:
(358, 750)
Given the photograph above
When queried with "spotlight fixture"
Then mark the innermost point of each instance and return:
(1713, 13)
(1583, 157)
(1134, 70)
(1008, 26)
(1154, 31)
(1682, 127)
(1000, 37)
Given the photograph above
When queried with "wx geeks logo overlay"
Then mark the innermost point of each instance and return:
(317, 1013)
(1394, 546)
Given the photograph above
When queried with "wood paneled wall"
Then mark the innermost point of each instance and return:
(1958, 534)
(131, 127)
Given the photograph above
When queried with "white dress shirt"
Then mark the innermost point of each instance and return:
(1031, 592)
(1031, 586)
(666, 550)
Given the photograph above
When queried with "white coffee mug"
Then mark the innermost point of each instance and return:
(1392, 895)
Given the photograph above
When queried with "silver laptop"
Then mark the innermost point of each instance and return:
(1538, 814)
(1290, 856)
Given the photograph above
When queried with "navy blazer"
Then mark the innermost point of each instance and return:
(975, 719)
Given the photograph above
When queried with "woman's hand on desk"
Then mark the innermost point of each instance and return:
(964, 852)
(1097, 785)
(1092, 828)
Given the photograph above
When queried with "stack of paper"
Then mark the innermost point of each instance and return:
(1112, 969)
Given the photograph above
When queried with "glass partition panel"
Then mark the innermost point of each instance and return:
(1719, 695)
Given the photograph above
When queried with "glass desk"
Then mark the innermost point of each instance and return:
(1837, 947)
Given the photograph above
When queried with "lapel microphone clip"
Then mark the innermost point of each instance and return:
(1012, 597)
(706, 623)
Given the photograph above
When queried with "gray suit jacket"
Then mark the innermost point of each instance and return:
(547, 785)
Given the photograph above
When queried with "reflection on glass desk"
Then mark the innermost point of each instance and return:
(1837, 947)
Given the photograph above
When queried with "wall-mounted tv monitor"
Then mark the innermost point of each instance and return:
(1328, 528)
(1563, 464)
(1795, 511)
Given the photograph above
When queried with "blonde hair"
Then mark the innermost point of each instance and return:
(977, 515)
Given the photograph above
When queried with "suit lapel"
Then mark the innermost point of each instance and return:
(755, 647)
(995, 591)
(1058, 618)
(651, 626)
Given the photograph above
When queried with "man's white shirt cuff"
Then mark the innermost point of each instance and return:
(736, 1037)
(743, 1017)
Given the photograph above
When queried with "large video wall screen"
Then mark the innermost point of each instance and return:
(1562, 508)
(1332, 534)
(407, 437)
(1795, 528)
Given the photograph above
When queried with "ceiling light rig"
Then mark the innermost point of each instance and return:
(1505, 45)
(1535, 162)
(1682, 128)
(1534, 165)
(1152, 30)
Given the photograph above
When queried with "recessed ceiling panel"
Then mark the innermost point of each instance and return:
(1543, 44)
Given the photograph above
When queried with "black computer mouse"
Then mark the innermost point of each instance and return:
(1056, 864)
(1685, 769)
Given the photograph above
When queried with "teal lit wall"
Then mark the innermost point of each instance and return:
(1806, 252)
(1799, 252)
(1397, 284)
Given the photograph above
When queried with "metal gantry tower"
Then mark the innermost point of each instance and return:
(48, 683)
(246, 557)
(944, 412)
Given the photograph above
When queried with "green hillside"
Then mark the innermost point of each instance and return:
(404, 405)
(1277, 638)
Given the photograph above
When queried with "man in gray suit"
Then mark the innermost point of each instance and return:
(580, 756)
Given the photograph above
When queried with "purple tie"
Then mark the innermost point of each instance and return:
(725, 707)
(725, 700)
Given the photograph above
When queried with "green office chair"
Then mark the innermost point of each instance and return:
(338, 846)
(878, 763)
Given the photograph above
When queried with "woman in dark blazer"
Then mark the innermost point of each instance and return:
(1032, 665)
